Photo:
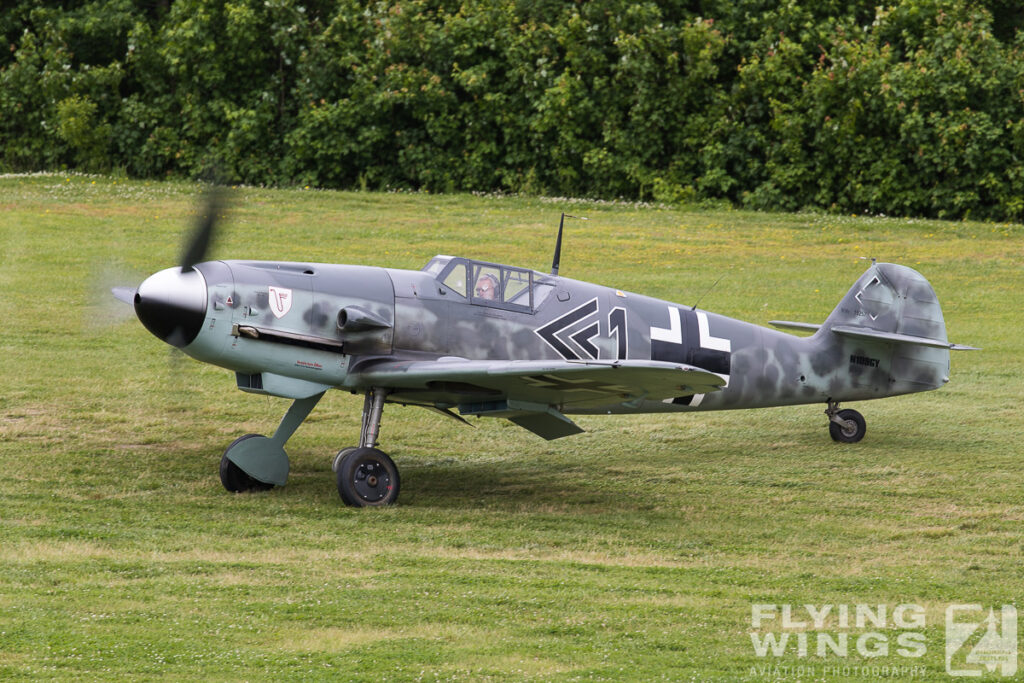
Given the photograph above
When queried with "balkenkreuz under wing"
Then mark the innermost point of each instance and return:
(567, 384)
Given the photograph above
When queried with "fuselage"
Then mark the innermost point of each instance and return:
(295, 323)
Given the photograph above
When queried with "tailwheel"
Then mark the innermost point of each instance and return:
(367, 477)
(233, 477)
(845, 426)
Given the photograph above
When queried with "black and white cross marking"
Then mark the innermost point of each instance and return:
(574, 385)
(688, 340)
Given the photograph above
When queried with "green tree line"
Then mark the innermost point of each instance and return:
(913, 108)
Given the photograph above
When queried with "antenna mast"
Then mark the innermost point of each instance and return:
(558, 242)
(708, 291)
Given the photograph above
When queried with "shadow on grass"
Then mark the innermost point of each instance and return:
(529, 484)
(514, 484)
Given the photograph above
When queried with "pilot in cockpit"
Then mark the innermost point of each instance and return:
(487, 287)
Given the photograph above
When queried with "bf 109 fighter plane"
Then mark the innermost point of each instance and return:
(468, 337)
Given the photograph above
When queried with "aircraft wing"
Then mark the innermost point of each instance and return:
(532, 393)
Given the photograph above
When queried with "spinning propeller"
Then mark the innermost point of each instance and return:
(171, 304)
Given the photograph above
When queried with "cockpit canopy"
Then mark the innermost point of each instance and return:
(490, 284)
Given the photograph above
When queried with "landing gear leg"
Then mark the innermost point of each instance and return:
(366, 476)
(846, 426)
(368, 408)
(258, 463)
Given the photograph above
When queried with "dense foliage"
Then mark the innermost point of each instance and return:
(911, 109)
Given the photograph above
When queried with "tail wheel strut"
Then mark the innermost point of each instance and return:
(845, 426)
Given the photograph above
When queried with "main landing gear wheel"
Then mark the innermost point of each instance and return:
(367, 477)
(232, 476)
(847, 426)
(340, 456)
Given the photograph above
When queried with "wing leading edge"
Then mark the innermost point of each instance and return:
(533, 394)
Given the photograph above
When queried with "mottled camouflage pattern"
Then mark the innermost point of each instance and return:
(427, 320)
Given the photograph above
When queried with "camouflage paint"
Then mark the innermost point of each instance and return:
(427, 320)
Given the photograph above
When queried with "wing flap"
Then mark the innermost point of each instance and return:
(543, 420)
(549, 425)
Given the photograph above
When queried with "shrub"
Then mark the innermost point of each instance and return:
(913, 108)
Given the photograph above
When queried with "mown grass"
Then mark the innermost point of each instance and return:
(632, 552)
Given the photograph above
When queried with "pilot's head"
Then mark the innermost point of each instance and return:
(487, 287)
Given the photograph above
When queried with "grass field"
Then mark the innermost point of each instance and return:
(636, 551)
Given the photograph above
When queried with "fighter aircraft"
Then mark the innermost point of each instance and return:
(467, 337)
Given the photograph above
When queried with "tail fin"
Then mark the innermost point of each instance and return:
(892, 299)
(891, 317)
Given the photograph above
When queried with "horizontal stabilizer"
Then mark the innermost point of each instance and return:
(788, 325)
(896, 338)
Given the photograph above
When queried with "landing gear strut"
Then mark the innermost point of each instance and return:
(365, 475)
(845, 426)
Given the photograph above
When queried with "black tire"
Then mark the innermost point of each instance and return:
(367, 477)
(853, 432)
(341, 456)
(234, 478)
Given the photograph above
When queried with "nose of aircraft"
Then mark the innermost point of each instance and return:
(172, 305)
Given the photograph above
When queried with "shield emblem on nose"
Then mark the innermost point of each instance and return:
(280, 301)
